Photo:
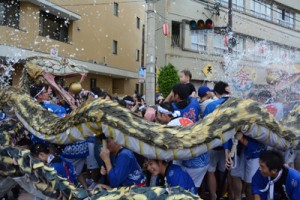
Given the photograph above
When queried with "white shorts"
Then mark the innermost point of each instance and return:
(91, 161)
(197, 174)
(77, 163)
(217, 159)
(245, 169)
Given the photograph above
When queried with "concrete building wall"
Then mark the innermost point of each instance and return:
(249, 30)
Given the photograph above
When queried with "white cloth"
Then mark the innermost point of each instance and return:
(270, 186)
(217, 159)
(245, 169)
(197, 174)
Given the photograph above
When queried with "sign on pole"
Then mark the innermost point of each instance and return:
(142, 75)
(208, 70)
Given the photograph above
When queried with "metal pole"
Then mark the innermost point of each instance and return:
(229, 27)
(150, 65)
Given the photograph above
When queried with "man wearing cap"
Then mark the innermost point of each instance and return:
(206, 97)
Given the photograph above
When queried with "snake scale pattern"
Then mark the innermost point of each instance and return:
(151, 140)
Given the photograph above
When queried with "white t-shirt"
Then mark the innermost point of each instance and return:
(205, 103)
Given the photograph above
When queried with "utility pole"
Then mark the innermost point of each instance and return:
(229, 27)
(151, 57)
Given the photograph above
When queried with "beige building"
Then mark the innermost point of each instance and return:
(104, 35)
(267, 37)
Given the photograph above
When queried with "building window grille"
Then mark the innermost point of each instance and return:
(175, 34)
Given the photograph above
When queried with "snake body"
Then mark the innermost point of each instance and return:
(151, 140)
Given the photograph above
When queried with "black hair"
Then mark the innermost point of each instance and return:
(122, 103)
(38, 148)
(187, 73)
(168, 106)
(272, 159)
(182, 90)
(220, 88)
(35, 89)
(97, 91)
(265, 94)
(128, 98)
(105, 94)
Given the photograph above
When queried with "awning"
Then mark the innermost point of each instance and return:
(54, 9)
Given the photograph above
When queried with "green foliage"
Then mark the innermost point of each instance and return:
(168, 77)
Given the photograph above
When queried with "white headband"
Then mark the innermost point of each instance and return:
(165, 111)
(39, 92)
(129, 102)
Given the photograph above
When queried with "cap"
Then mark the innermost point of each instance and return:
(202, 90)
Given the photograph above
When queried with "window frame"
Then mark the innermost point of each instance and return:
(10, 19)
(235, 4)
(116, 9)
(137, 55)
(61, 26)
(201, 43)
(218, 39)
(138, 22)
(284, 22)
(115, 47)
(261, 9)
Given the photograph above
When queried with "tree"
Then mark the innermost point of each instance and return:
(167, 78)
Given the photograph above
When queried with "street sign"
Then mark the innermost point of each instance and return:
(142, 75)
(208, 70)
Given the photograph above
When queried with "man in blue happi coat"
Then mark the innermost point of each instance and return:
(273, 180)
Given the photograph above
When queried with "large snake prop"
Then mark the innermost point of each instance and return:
(148, 139)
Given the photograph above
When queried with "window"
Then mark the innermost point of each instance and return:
(93, 82)
(116, 9)
(261, 49)
(115, 47)
(9, 13)
(219, 44)
(175, 34)
(137, 55)
(240, 45)
(53, 26)
(261, 9)
(198, 40)
(285, 18)
(138, 21)
(236, 4)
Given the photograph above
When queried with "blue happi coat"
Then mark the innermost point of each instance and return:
(176, 176)
(126, 170)
(291, 185)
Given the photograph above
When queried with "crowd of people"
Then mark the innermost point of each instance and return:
(257, 172)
